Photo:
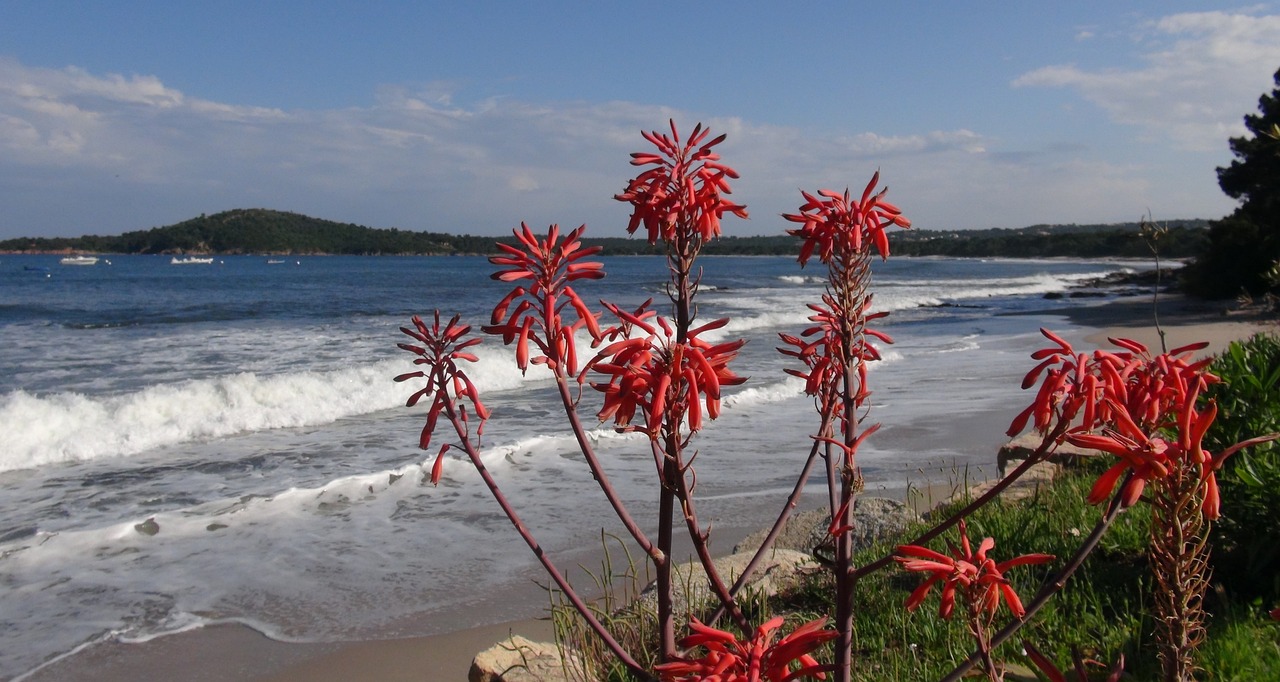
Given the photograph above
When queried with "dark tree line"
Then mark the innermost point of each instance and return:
(262, 231)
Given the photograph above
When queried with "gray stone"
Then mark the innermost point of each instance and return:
(873, 518)
(1024, 446)
(518, 660)
(779, 570)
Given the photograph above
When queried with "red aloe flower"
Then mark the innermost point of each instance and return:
(1093, 386)
(825, 355)
(836, 224)
(978, 578)
(531, 315)
(728, 660)
(1071, 383)
(656, 374)
(1148, 458)
(438, 355)
(681, 197)
(1144, 407)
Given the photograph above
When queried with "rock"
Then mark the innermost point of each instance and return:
(779, 570)
(876, 517)
(148, 527)
(803, 531)
(1027, 484)
(1025, 445)
(873, 518)
(518, 660)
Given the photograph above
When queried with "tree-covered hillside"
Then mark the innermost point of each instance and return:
(264, 231)
(259, 230)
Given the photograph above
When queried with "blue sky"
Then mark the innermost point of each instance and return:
(469, 117)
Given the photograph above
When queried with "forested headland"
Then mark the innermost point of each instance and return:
(269, 232)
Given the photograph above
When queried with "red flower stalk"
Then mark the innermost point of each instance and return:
(728, 660)
(824, 355)
(978, 578)
(438, 355)
(680, 199)
(835, 223)
(655, 374)
(533, 313)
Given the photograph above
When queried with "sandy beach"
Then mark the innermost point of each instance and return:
(232, 652)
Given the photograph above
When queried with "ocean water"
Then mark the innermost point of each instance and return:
(197, 444)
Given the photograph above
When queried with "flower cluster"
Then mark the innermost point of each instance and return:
(441, 349)
(682, 197)
(834, 225)
(1139, 407)
(822, 347)
(656, 374)
(531, 314)
(977, 577)
(728, 660)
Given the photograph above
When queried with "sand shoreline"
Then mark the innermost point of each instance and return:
(235, 652)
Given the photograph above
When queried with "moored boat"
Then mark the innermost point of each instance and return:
(190, 260)
(79, 260)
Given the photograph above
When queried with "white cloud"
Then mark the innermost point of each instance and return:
(83, 153)
(1203, 71)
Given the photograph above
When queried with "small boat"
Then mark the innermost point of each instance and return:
(79, 260)
(190, 260)
(36, 268)
(274, 261)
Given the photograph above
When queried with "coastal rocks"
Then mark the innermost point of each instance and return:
(518, 660)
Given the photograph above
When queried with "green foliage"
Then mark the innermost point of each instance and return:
(1245, 245)
(1101, 612)
(1247, 537)
(1243, 645)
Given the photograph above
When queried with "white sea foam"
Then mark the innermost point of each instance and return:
(69, 427)
(801, 279)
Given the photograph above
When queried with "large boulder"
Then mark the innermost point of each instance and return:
(518, 660)
(873, 518)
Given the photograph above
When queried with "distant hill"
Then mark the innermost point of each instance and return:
(257, 230)
(264, 231)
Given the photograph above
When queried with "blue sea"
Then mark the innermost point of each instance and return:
(187, 445)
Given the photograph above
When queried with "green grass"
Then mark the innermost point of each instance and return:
(1102, 612)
